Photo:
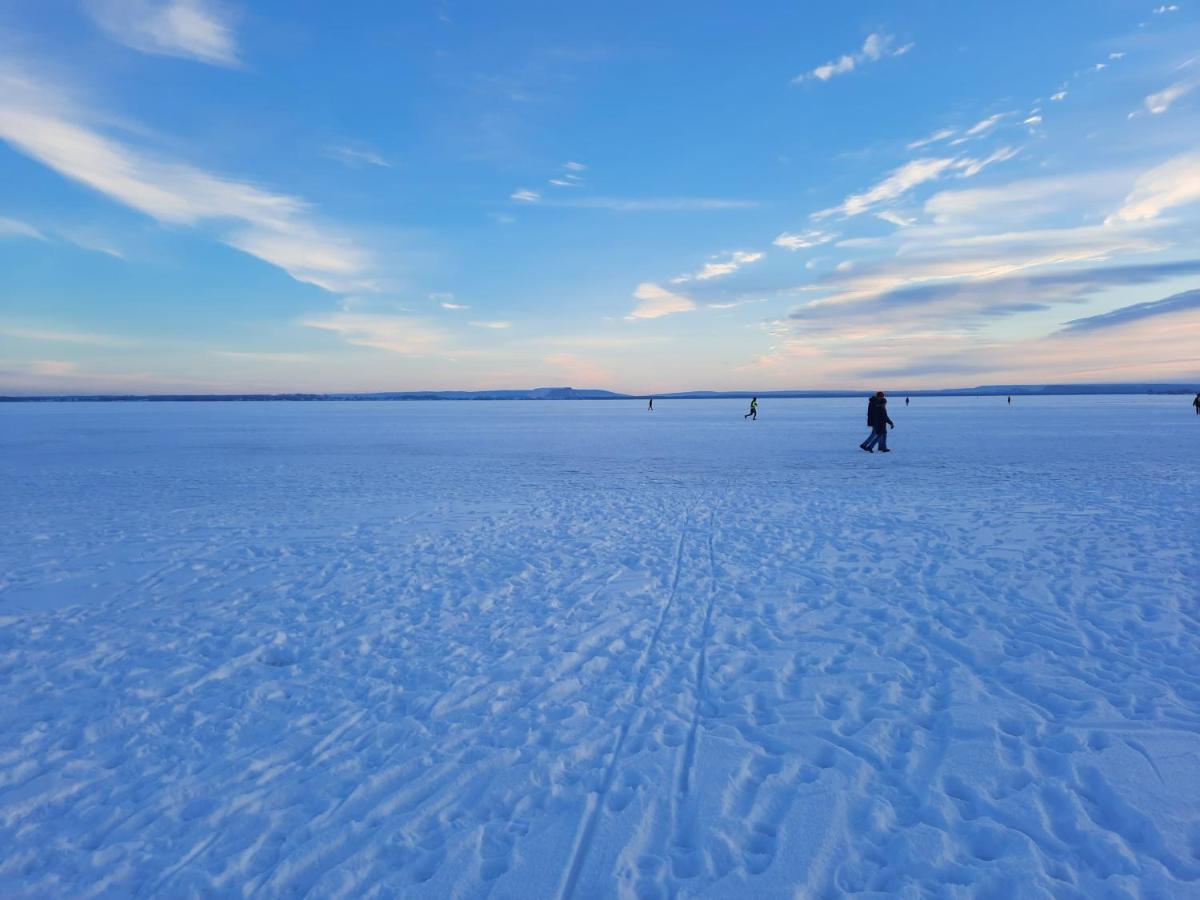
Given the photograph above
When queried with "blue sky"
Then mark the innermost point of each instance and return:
(275, 196)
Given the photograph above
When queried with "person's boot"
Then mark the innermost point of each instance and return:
(885, 450)
(865, 447)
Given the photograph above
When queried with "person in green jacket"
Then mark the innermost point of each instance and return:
(753, 414)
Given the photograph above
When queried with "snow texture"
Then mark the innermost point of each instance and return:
(543, 649)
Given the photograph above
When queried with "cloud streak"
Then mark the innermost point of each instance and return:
(656, 301)
(1187, 300)
(189, 29)
(877, 46)
(41, 123)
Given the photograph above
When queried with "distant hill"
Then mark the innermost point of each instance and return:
(568, 393)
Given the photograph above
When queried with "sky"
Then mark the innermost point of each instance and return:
(216, 196)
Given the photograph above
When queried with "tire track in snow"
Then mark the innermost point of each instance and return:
(591, 817)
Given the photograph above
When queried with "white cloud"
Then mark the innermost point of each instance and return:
(192, 29)
(13, 228)
(1116, 56)
(726, 266)
(559, 182)
(899, 182)
(968, 167)
(574, 166)
(1058, 96)
(277, 228)
(306, 255)
(448, 305)
(1165, 8)
(1175, 183)
(1160, 102)
(397, 334)
(895, 218)
(985, 125)
(877, 46)
(939, 135)
(524, 195)
(657, 301)
(801, 240)
(491, 324)
(1020, 202)
(1034, 119)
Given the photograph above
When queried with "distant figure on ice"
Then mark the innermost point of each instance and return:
(753, 414)
(877, 419)
(651, 407)
(906, 401)
(1196, 403)
(1010, 401)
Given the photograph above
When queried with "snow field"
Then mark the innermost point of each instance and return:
(574, 649)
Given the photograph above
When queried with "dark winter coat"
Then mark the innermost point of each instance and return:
(877, 416)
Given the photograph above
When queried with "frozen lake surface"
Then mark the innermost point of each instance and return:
(573, 649)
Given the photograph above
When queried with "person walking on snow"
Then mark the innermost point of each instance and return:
(877, 419)
(651, 407)
(753, 414)
(1196, 403)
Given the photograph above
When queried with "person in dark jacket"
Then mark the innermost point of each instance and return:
(877, 419)
(1196, 403)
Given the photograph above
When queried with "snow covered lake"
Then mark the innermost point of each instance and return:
(574, 649)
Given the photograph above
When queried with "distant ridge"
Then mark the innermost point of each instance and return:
(568, 393)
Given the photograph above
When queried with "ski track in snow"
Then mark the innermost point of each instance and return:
(576, 650)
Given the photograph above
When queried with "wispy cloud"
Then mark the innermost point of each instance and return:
(802, 239)
(1166, 8)
(985, 125)
(940, 135)
(491, 323)
(877, 46)
(1187, 300)
(895, 218)
(1160, 102)
(397, 334)
(1175, 183)
(53, 336)
(721, 264)
(447, 305)
(1058, 96)
(524, 195)
(355, 157)
(42, 123)
(53, 367)
(10, 228)
(256, 356)
(968, 167)
(898, 183)
(651, 204)
(191, 29)
(574, 166)
(657, 301)
(911, 175)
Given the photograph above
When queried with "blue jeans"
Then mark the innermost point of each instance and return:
(877, 437)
